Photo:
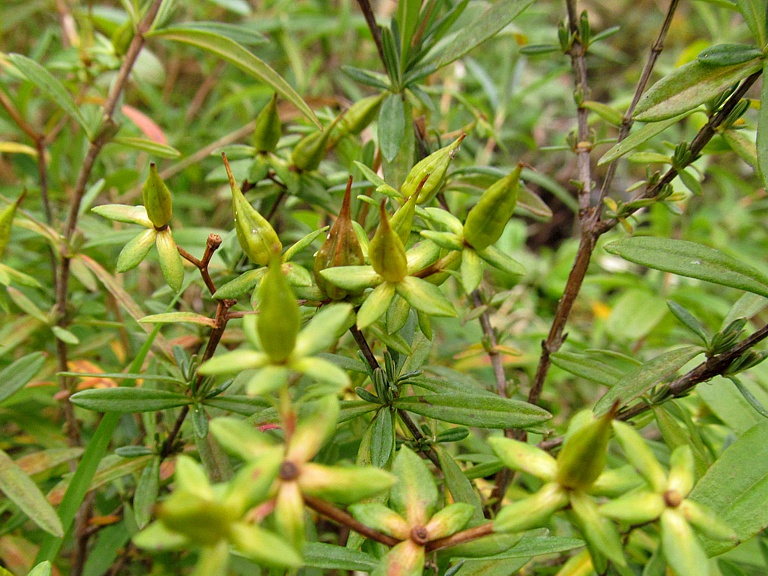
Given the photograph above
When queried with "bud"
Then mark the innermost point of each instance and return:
(157, 199)
(256, 236)
(344, 485)
(205, 522)
(359, 116)
(583, 456)
(268, 129)
(486, 221)
(533, 511)
(433, 167)
(449, 520)
(6, 219)
(341, 248)
(279, 318)
(386, 252)
(310, 150)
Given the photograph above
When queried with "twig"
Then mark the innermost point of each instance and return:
(6, 103)
(428, 451)
(627, 121)
(211, 245)
(276, 205)
(370, 19)
(341, 517)
(493, 353)
(467, 535)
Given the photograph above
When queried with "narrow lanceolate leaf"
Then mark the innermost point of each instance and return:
(735, 488)
(762, 131)
(692, 260)
(16, 376)
(481, 411)
(425, 297)
(128, 400)
(147, 489)
(415, 494)
(236, 54)
(50, 86)
(637, 382)
(170, 260)
(156, 149)
(587, 367)
(487, 25)
(19, 489)
(175, 317)
(136, 250)
(391, 126)
(639, 137)
(123, 213)
(689, 86)
(753, 12)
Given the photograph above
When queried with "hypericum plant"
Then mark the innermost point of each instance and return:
(346, 386)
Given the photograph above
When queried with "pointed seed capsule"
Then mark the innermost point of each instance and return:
(256, 236)
(310, 150)
(341, 248)
(434, 167)
(279, 318)
(157, 199)
(583, 456)
(387, 253)
(268, 128)
(359, 116)
(6, 220)
(486, 221)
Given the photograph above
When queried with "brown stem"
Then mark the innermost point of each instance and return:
(467, 535)
(370, 19)
(341, 517)
(6, 103)
(276, 205)
(362, 343)
(211, 245)
(627, 121)
(493, 353)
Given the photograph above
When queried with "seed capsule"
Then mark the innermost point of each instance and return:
(433, 167)
(583, 456)
(341, 248)
(279, 318)
(157, 199)
(256, 236)
(486, 221)
(387, 253)
(268, 128)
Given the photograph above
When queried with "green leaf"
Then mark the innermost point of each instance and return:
(501, 261)
(639, 137)
(529, 547)
(458, 485)
(637, 382)
(481, 411)
(692, 260)
(42, 569)
(353, 278)
(425, 297)
(124, 213)
(414, 496)
(235, 32)
(762, 130)
(147, 489)
(588, 367)
(407, 22)
(689, 86)
(382, 442)
(688, 320)
(635, 313)
(170, 259)
(240, 285)
(50, 87)
(65, 335)
(375, 305)
(682, 550)
(610, 115)
(490, 23)
(735, 488)
(176, 317)
(472, 269)
(154, 148)
(14, 377)
(234, 53)
(323, 330)
(136, 250)
(128, 400)
(728, 54)
(391, 126)
(753, 12)
(330, 557)
(19, 489)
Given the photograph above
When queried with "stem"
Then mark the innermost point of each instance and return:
(211, 245)
(370, 19)
(493, 353)
(626, 121)
(341, 517)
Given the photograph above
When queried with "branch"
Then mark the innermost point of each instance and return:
(341, 517)
(370, 19)
(493, 353)
(211, 245)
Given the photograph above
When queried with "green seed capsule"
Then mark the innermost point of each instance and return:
(583, 456)
(279, 318)
(359, 116)
(256, 236)
(6, 220)
(268, 128)
(310, 150)
(386, 252)
(433, 167)
(486, 221)
(157, 199)
(341, 248)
